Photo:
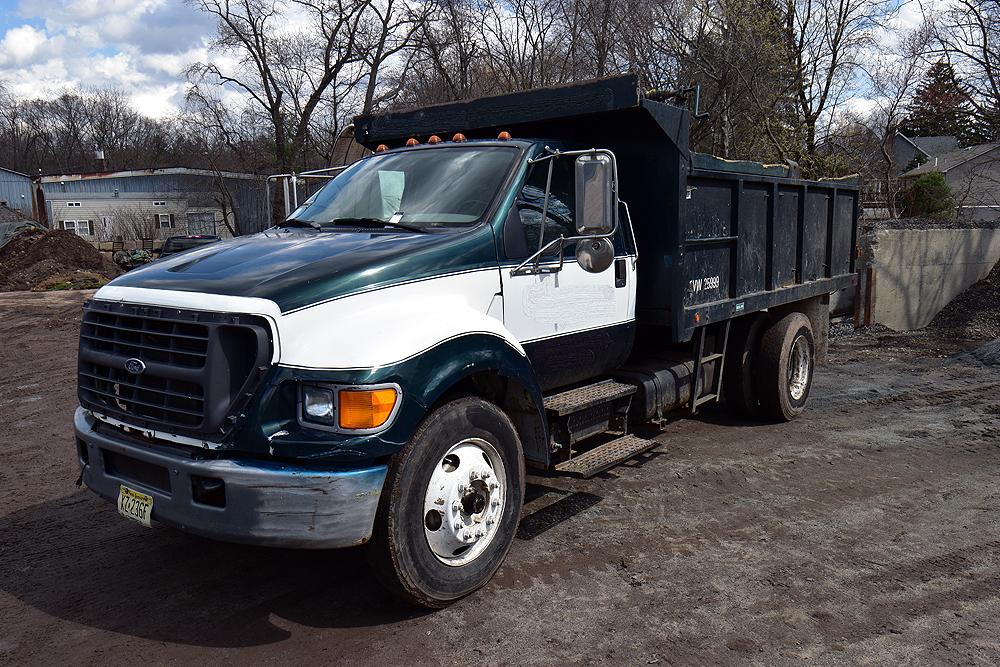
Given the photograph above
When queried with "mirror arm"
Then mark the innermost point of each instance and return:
(536, 258)
(545, 206)
(631, 230)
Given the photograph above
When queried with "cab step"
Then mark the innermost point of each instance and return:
(605, 456)
(581, 398)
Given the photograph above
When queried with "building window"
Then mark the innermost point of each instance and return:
(78, 227)
(73, 204)
(159, 203)
(166, 220)
(202, 222)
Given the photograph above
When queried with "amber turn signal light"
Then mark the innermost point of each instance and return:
(435, 139)
(381, 148)
(504, 136)
(365, 408)
(412, 142)
(458, 137)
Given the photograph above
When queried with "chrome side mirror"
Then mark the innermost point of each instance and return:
(595, 255)
(594, 194)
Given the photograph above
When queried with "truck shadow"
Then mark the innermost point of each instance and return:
(74, 558)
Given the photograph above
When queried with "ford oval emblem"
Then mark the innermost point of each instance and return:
(135, 366)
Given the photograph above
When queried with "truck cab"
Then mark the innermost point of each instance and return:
(380, 367)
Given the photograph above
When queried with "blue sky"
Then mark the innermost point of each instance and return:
(141, 46)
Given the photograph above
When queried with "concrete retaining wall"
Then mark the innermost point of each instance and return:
(919, 271)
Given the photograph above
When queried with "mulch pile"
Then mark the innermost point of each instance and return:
(974, 314)
(40, 260)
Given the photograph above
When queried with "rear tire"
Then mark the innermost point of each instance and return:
(784, 368)
(739, 387)
(450, 505)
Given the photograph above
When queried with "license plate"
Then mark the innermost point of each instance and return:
(135, 505)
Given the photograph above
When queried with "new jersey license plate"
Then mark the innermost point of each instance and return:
(135, 505)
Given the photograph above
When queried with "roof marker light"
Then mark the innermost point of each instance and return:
(459, 137)
(381, 148)
(504, 136)
(412, 142)
(435, 139)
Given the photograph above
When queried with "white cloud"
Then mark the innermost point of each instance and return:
(21, 45)
(140, 46)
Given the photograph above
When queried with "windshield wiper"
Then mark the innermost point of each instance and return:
(295, 222)
(377, 222)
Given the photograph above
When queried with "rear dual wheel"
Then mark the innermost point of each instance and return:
(450, 504)
(784, 367)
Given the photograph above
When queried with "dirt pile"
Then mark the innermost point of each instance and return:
(973, 315)
(39, 259)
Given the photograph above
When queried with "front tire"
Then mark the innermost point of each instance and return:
(785, 365)
(450, 505)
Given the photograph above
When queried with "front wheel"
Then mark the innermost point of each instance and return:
(450, 504)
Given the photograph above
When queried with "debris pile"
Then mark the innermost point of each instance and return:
(38, 260)
(974, 315)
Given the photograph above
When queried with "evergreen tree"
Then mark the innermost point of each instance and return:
(930, 197)
(941, 107)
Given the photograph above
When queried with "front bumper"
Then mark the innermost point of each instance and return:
(265, 503)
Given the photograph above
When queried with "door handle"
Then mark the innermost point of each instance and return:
(621, 272)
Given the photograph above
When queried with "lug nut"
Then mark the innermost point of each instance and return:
(494, 486)
(474, 475)
(461, 488)
(486, 474)
(458, 526)
(456, 506)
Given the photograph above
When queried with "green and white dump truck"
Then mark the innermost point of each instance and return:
(503, 283)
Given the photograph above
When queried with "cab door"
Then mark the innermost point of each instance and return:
(573, 324)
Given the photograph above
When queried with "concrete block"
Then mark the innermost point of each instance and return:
(919, 271)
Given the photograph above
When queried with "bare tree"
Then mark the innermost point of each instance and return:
(894, 76)
(286, 75)
(826, 39)
(967, 35)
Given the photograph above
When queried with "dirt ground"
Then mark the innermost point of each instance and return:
(867, 531)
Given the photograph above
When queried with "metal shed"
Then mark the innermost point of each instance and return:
(179, 194)
(15, 191)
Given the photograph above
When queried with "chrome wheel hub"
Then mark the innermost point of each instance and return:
(799, 368)
(465, 501)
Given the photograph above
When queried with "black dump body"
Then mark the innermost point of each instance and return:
(716, 239)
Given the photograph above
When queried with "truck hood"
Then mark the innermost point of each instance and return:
(299, 267)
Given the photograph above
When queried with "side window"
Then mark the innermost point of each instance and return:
(524, 225)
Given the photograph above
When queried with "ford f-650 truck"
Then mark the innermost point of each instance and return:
(506, 282)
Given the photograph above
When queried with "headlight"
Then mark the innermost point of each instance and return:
(348, 409)
(318, 404)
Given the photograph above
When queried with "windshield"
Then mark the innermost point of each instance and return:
(427, 188)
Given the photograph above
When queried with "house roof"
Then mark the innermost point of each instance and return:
(952, 159)
(932, 146)
(56, 178)
(11, 171)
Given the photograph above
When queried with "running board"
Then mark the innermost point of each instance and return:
(605, 456)
(581, 398)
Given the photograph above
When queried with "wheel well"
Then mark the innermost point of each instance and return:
(817, 309)
(513, 398)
